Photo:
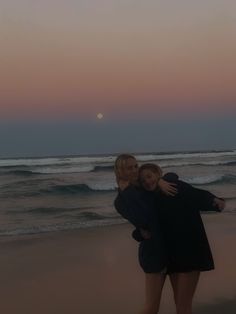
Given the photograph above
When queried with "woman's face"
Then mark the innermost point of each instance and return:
(129, 171)
(149, 179)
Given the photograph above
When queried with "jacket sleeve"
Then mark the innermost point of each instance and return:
(201, 199)
(128, 199)
(130, 205)
(171, 177)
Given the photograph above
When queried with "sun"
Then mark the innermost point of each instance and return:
(100, 116)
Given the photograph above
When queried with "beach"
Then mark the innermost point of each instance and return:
(81, 83)
(95, 270)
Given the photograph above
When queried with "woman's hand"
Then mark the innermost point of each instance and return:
(145, 233)
(219, 203)
(167, 188)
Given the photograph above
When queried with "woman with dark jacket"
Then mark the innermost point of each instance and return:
(177, 243)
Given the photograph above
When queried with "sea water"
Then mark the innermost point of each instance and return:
(69, 192)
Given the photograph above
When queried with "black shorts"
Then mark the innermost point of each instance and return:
(152, 259)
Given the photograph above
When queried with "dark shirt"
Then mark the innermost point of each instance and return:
(139, 207)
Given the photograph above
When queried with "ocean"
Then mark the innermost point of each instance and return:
(49, 194)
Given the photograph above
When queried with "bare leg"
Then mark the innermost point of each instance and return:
(154, 283)
(174, 284)
(184, 286)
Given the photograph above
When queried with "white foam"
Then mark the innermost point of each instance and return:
(192, 163)
(102, 186)
(204, 179)
(62, 226)
(61, 170)
(185, 155)
(97, 160)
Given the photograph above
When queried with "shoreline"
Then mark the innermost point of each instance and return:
(50, 234)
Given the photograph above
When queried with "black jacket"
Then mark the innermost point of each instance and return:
(178, 236)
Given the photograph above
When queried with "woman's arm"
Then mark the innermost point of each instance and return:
(131, 206)
(203, 200)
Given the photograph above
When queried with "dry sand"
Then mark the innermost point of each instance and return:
(95, 271)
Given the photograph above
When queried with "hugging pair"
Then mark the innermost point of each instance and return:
(173, 241)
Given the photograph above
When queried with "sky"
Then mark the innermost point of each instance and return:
(162, 73)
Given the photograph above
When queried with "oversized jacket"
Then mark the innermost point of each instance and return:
(178, 240)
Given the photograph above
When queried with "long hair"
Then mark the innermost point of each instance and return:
(120, 162)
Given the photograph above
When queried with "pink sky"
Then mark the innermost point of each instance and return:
(77, 58)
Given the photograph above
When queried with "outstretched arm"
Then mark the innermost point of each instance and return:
(202, 199)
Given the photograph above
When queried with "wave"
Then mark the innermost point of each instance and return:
(103, 168)
(22, 173)
(31, 188)
(28, 171)
(77, 160)
(83, 220)
(95, 216)
(214, 179)
(76, 189)
(93, 161)
(181, 155)
(40, 187)
(16, 170)
(89, 220)
(194, 163)
(81, 213)
(50, 210)
(165, 164)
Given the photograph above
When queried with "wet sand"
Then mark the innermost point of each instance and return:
(96, 271)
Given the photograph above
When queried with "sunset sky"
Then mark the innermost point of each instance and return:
(163, 72)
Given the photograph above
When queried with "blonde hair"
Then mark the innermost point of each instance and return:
(120, 162)
(152, 167)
